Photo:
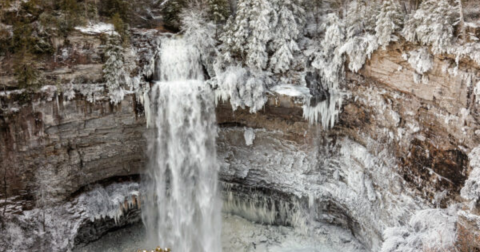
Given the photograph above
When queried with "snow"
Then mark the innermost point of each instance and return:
(12, 92)
(249, 136)
(291, 90)
(389, 21)
(429, 229)
(358, 50)
(328, 59)
(97, 28)
(432, 24)
(421, 60)
(471, 190)
(477, 92)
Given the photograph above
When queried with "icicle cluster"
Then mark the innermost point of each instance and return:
(111, 201)
(242, 88)
(326, 112)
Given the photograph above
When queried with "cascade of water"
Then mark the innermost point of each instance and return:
(182, 209)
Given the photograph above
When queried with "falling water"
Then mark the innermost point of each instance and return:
(183, 208)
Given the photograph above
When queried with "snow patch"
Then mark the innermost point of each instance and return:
(97, 28)
(291, 90)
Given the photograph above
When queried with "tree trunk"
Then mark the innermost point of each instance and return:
(463, 30)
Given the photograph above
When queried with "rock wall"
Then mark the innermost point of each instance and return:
(399, 146)
(66, 145)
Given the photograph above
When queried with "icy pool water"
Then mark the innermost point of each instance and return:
(238, 235)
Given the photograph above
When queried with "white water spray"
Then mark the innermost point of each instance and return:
(182, 209)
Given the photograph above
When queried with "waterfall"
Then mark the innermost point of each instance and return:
(182, 208)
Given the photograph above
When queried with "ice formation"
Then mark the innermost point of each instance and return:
(325, 112)
(54, 227)
(111, 201)
(353, 177)
(182, 209)
(471, 190)
(421, 60)
(429, 229)
(249, 136)
(242, 87)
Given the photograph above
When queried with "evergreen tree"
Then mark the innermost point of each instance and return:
(247, 36)
(91, 11)
(372, 9)
(25, 71)
(260, 25)
(389, 20)
(354, 20)
(238, 31)
(113, 70)
(288, 27)
(111, 7)
(171, 13)
(328, 59)
(70, 11)
(218, 10)
(120, 28)
(432, 24)
(22, 39)
(361, 18)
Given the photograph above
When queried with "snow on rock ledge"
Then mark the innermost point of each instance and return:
(291, 90)
(97, 28)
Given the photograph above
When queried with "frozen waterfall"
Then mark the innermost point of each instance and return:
(182, 207)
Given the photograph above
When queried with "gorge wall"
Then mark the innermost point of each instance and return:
(398, 146)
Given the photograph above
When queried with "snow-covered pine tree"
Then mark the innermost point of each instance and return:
(113, 70)
(354, 19)
(228, 43)
(289, 25)
(237, 30)
(372, 9)
(328, 60)
(171, 10)
(389, 21)
(432, 24)
(261, 17)
(360, 42)
(218, 10)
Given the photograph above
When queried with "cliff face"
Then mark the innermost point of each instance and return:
(77, 142)
(398, 147)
